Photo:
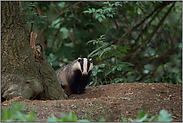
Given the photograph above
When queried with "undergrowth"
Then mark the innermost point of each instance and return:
(16, 113)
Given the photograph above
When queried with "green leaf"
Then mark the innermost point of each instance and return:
(103, 16)
(20, 116)
(164, 116)
(117, 4)
(114, 67)
(52, 119)
(35, 13)
(83, 121)
(31, 117)
(96, 52)
(153, 118)
(42, 16)
(102, 37)
(97, 15)
(118, 80)
(102, 119)
(31, 21)
(108, 72)
(107, 3)
(42, 26)
(72, 116)
(143, 119)
(123, 119)
(105, 51)
(141, 114)
(100, 19)
(93, 10)
(5, 114)
(102, 65)
(98, 10)
(42, 20)
(91, 41)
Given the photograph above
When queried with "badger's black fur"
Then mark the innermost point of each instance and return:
(75, 77)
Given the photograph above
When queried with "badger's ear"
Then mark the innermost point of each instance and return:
(90, 60)
(79, 59)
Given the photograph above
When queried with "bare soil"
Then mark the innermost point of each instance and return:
(112, 102)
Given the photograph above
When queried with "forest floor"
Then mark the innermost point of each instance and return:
(113, 101)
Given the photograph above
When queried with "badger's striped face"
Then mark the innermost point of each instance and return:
(84, 65)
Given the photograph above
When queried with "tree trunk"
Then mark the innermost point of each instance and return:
(21, 75)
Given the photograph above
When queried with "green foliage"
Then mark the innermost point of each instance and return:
(71, 117)
(108, 68)
(32, 16)
(142, 116)
(15, 113)
(164, 116)
(130, 32)
(107, 10)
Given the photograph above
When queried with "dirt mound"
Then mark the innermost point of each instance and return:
(113, 101)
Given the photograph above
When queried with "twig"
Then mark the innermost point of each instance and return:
(75, 15)
(147, 26)
(56, 35)
(160, 23)
(20, 3)
(71, 37)
(31, 27)
(62, 13)
(118, 28)
(42, 31)
(137, 25)
(159, 6)
(124, 13)
(55, 7)
(121, 19)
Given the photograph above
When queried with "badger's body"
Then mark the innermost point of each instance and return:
(75, 76)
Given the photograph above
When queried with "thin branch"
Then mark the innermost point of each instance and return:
(40, 34)
(156, 29)
(31, 27)
(117, 27)
(71, 37)
(160, 23)
(55, 7)
(75, 16)
(159, 6)
(20, 3)
(62, 13)
(56, 34)
(124, 13)
(141, 33)
(137, 25)
(121, 19)
(42, 31)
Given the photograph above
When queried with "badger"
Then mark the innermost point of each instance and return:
(74, 77)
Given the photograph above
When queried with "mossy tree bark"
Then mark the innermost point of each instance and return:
(21, 75)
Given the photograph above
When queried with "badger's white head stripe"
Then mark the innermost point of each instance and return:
(84, 65)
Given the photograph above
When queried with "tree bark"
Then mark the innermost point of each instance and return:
(21, 75)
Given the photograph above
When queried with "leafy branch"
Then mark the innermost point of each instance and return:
(101, 14)
(109, 67)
